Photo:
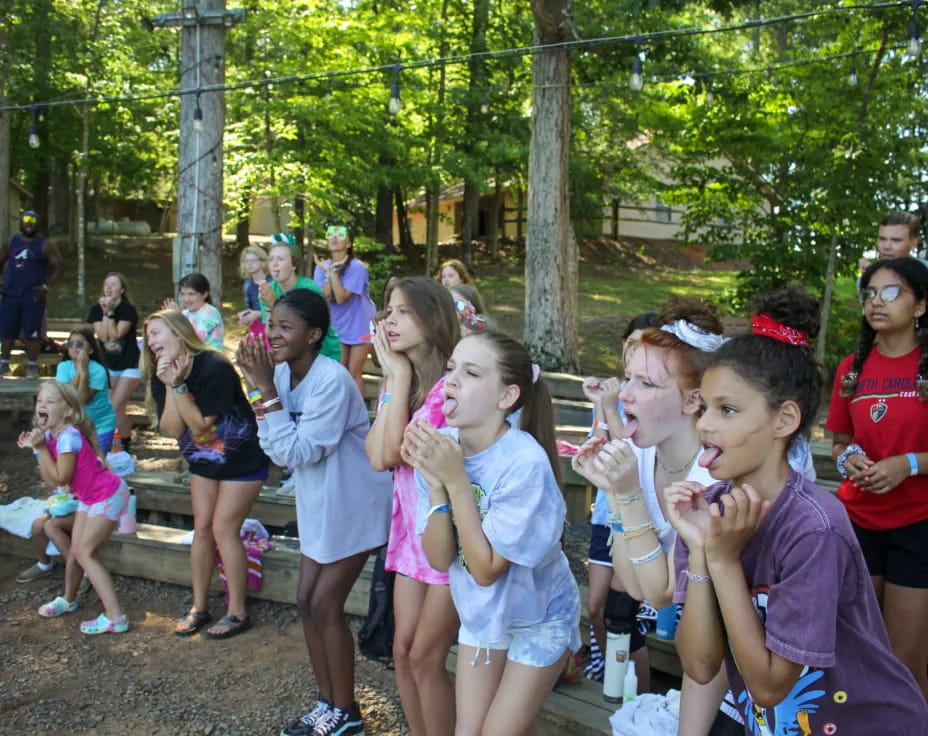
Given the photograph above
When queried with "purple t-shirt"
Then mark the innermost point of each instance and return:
(352, 319)
(812, 592)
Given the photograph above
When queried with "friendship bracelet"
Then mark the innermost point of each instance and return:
(385, 399)
(852, 449)
(269, 403)
(694, 578)
(441, 508)
(913, 463)
(652, 555)
(614, 520)
(633, 532)
(631, 499)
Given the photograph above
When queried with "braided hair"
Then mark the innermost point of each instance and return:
(915, 275)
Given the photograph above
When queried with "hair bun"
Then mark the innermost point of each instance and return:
(792, 306)
(702, 313)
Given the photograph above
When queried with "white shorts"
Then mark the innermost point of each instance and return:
(126, 373)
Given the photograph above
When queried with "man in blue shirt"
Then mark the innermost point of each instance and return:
(30, 263)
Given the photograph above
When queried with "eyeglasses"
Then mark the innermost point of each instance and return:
(340, 232)
(74, 344)
(887, 294)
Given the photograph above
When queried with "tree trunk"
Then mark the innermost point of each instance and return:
(493, 222)
(299, 211)
(470, 205)
(243, 226)
(4, 167)
(80, 234)
(383, 216)
(199, 190)
(402, 220)
(432, 196)
(551, 254)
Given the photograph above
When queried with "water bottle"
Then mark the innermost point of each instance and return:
(630, 684)
(127, 519)
(618, 636)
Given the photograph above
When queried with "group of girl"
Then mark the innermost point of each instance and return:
(705, 509)
(776, 581)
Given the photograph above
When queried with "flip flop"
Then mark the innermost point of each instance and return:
(193, 621)
(102, 625)
(234, 626)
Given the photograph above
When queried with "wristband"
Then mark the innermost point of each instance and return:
(599, 424)
(385, 399)
(254, 397)
(652, 555)
(269, 403)
(694, 578)
(852, 449)
(913, 463)
(441, 508)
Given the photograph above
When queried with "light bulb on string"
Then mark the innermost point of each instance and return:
(395, 104)
(852, 77)
(710, 94)
(33, 136)
(485, 103)
(915, 45)
(198, 116)
(637, 81)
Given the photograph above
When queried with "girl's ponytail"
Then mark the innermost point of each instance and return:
(538, 420)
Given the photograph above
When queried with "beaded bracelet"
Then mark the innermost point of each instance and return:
(652, 555)
(694, 578)
(631, 499)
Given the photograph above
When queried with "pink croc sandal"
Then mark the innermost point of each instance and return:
(102, 625)
(57, 607)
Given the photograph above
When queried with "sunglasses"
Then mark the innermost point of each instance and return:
(74, 344)
(887, 294)
(340, 232)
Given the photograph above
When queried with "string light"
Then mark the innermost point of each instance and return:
(504, 53)
(915, 44)
(395, 104)
(198, 116)
(852, 77)
(34, 141)
(637, 81)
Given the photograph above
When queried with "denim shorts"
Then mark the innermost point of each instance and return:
(112, 508)
(540, 644)
(125, 373)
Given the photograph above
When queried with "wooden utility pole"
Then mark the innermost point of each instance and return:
(551, 277)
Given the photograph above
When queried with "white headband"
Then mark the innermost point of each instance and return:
(695, 337)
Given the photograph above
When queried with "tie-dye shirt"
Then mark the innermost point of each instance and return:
(207, 323)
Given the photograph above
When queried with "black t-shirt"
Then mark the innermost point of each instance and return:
(127, 356)
(230, 449)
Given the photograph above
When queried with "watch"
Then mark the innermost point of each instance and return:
(180, 388)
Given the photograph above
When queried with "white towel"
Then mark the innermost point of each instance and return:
(17, 518)
(649, 714)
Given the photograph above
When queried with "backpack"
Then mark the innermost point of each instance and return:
(375, 639)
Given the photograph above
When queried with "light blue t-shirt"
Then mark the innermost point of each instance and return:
(522, 511)
(600, 513)
(99, 408)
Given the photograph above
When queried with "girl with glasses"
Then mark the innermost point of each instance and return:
(346, 286)
(878, 418)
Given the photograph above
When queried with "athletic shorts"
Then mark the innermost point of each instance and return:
(21, 317)
(106, 440)
(112, 508)
(899, 555)
(600, 551)
(126, 373)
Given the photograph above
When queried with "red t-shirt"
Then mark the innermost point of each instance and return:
(885, 417)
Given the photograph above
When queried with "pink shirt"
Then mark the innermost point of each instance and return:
(92, 481)
(404, 550)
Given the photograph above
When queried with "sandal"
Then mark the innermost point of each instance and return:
(233, 626)
(191, 622)
(102, 625)
(57, 607)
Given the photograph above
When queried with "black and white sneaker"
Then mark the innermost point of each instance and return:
(306, 723)
(338, 722)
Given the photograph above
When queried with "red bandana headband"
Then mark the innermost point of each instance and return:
(764, 324)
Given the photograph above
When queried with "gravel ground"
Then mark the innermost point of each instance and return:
(148, 681)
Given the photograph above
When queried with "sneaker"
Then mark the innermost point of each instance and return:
(306, 723)
(57, 607)
(34, 573)
(32, 371)
(338, 722)
(288, 487)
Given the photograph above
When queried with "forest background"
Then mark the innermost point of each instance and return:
(783, 129)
